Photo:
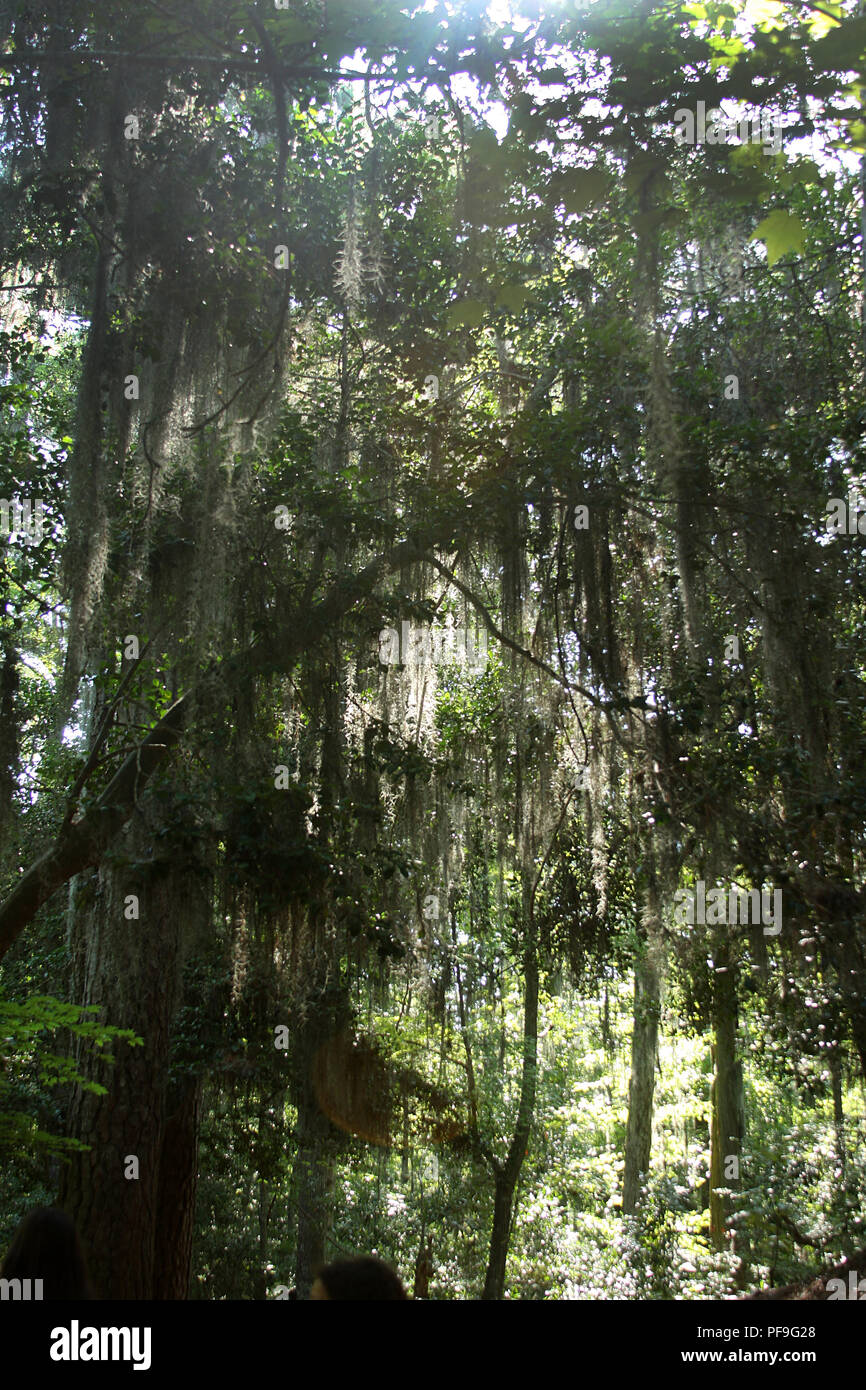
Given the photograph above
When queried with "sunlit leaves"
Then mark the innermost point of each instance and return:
(766, 14)
(467, 313)
(781, 232)
(512, 297)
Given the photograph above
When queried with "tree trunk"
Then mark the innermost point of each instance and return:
(314, 1192)
(500, 1236)
(727, 1097)
(178, 1176)
(838, 1110)
(839, 1128)
(648, 988)
(261, 1280)
(702, 1133)
(857, 1017)
(322, 1018)
(141, 1146)
(507, 1173)
(423, 1268)
(404, 1151)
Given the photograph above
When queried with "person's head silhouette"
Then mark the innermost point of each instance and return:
(364, 1278)
(46, 1246)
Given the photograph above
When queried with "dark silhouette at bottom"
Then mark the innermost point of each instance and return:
(363, 1278)
(46, 1246)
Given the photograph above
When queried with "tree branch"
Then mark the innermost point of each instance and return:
(607, 705)
(99, 740)
(82, 843)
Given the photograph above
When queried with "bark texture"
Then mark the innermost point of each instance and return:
(728, 1119)
(136, 1229)
(648, 989)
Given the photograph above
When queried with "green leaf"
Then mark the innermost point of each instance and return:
(857, 134)
(513, 297)
(293, 30)
(466, 313)
(580, 188)
(842, 47)
(765, 14)
(804, 171)
(642, 167)
(781, 232)
(646, 222)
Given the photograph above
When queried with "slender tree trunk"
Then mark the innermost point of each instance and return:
(423, 1267)
(404, 1151)
(261, 1283)
(728, 1120)
(506, 1174)
(648, 989)
(314, 1194)
(861, 10)
(838, 1108)
(857, 1016)
(839, 1127)
(702, 1133)
(500, 1236)
(318, 1140)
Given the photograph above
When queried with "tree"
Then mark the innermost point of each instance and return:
(348, 370)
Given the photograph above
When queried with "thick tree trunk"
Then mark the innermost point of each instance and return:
(141, 1146)
(648, 989)
(178, 1176)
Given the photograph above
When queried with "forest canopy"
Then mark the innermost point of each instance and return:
(432, 720)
